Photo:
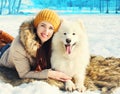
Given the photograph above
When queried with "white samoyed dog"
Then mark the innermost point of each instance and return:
(70, 53)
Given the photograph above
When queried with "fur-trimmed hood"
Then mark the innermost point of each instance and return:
(29, 38)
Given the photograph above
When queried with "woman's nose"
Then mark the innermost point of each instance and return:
(46, 30)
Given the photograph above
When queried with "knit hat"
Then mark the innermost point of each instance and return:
(49, 16)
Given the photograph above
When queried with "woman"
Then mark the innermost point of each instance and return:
(29, 52)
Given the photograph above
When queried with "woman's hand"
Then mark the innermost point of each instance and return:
(58, 75)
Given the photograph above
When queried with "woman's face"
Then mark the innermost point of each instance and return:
(45, 31)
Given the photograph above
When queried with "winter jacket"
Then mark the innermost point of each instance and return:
(21, 54)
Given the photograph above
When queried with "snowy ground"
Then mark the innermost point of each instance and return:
(104, 39)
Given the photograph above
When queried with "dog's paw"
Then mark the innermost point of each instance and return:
(81, 88)
(70, 86)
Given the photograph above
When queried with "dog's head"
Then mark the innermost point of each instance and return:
(70, 35)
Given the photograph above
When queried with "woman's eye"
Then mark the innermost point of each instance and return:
(73, 33)
(42, 25)
(65, 33)
(51, 28)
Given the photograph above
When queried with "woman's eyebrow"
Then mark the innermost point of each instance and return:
(43, 23)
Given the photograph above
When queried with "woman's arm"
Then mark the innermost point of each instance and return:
(22, 65)
(21, 61)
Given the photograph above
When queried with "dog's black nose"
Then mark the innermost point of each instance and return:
(68, 40)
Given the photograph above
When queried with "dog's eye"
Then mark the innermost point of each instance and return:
(73, 33)
(65, 33)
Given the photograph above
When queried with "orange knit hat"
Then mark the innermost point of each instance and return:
(49, 16)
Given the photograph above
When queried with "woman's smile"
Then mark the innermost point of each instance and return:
(44, 35)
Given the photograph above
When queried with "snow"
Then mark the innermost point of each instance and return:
(104, 39)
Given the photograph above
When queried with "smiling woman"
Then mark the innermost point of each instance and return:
(29, 53)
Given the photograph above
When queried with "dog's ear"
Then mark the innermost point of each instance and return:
(80, 22)
(62, 19)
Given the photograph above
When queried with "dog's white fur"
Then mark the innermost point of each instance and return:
(75, 61)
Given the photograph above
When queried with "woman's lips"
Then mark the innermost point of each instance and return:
(44, 35)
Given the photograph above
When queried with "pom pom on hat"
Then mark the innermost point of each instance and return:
(49, 16)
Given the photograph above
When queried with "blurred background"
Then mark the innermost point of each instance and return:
(27, 7)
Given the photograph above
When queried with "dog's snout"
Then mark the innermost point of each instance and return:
(68, 40)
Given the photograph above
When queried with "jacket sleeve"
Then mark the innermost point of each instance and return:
(22, 63)
(22, 66)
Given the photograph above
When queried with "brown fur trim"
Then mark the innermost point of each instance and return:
(28, 37)
(104, 72)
